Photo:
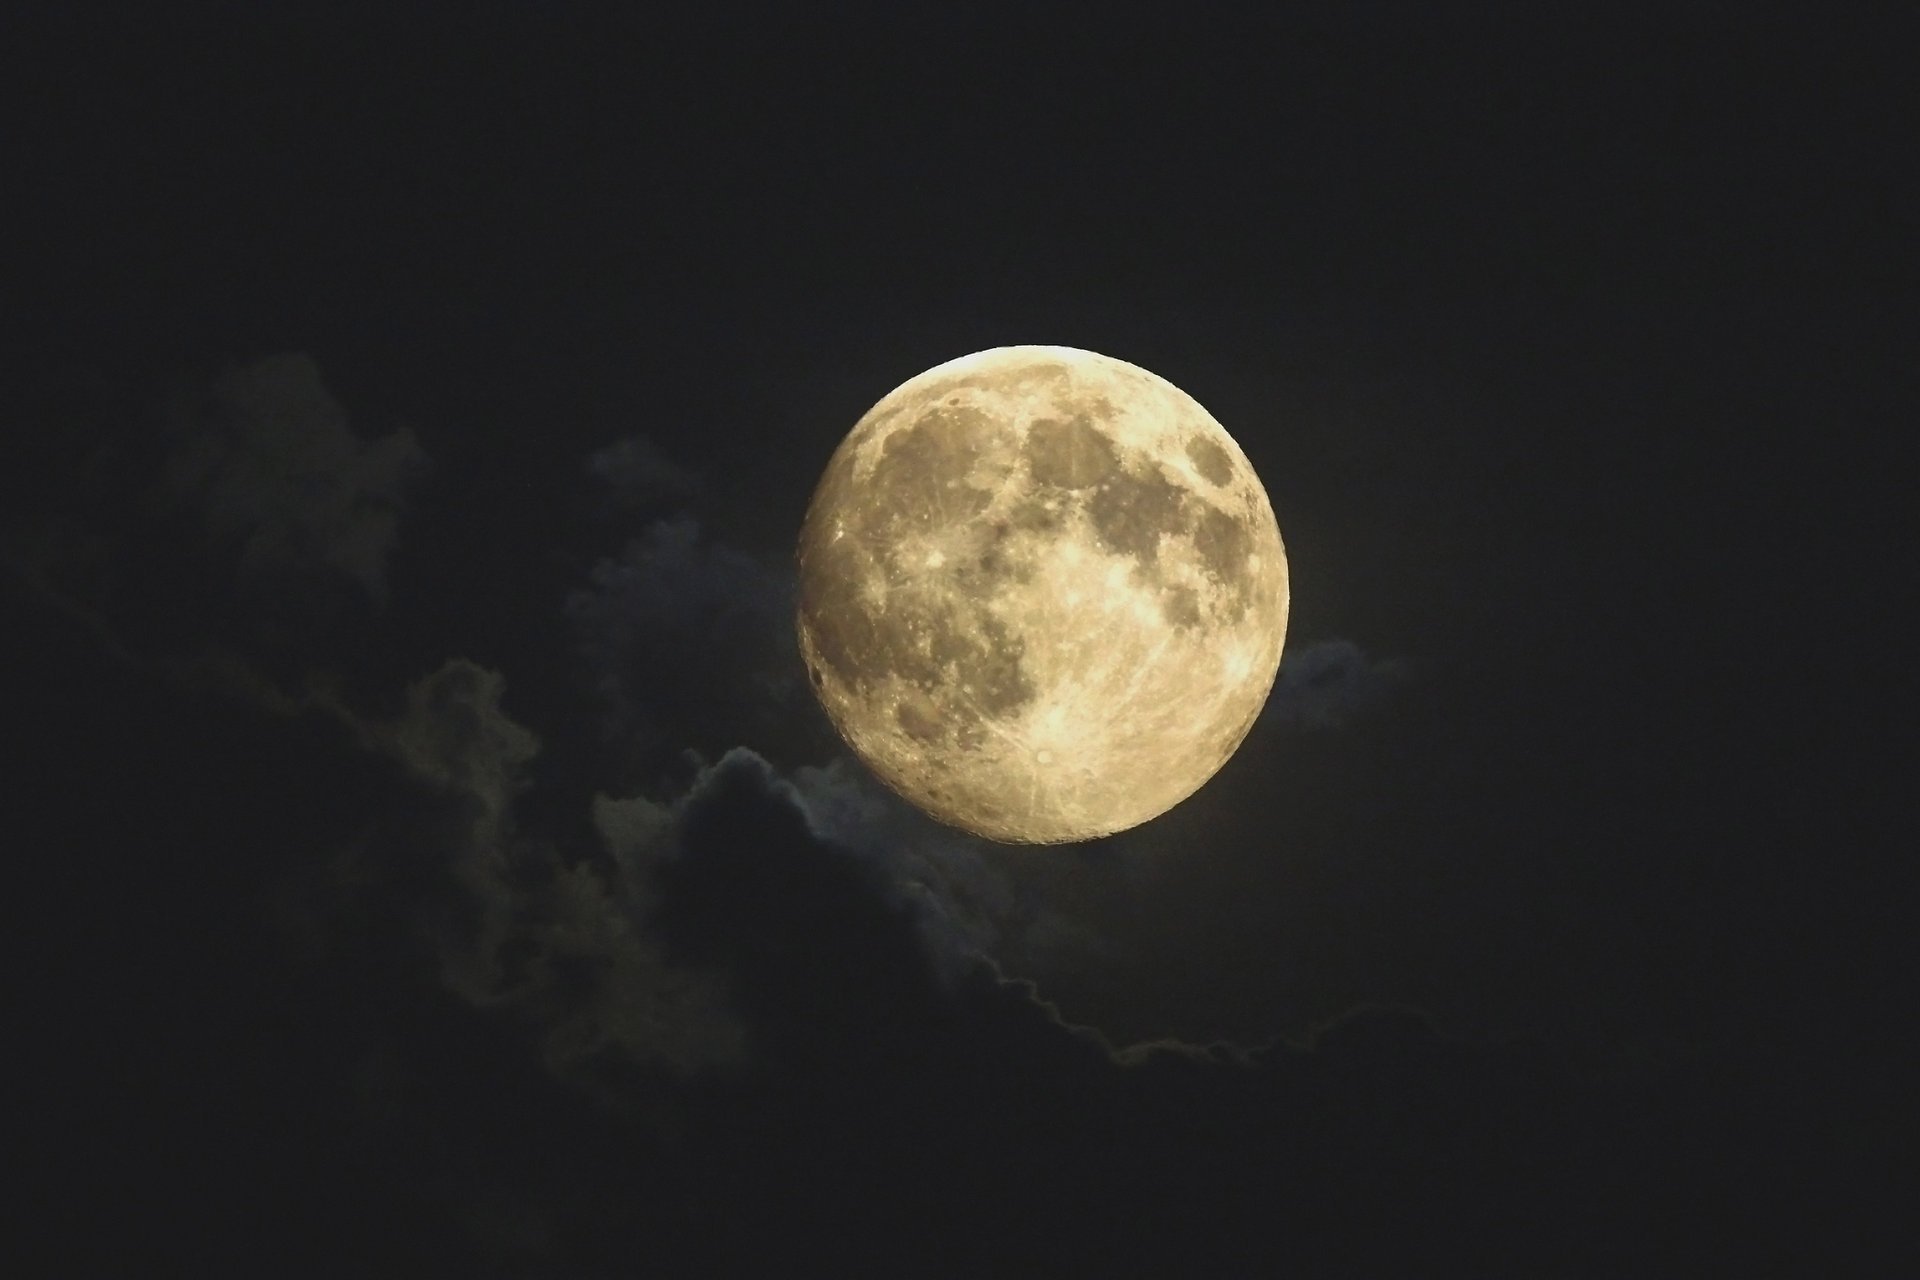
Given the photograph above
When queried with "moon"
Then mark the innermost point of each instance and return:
(1042, 593)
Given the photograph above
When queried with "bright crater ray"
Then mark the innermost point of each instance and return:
(1042, 593)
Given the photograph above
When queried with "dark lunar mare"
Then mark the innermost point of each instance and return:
(932, 640)
(1132, 506)
(939, 476)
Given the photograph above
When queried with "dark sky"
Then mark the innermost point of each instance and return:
(430, 861)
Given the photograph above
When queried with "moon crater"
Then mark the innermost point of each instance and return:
(1042, 593)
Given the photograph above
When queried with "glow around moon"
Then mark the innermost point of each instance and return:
(1042, 593)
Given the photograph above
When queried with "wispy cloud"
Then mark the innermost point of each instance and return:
(1331, 684)
(276, 472)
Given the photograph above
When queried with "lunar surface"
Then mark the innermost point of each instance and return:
(1042, 593)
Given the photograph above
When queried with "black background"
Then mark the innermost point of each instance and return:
(1562, 344)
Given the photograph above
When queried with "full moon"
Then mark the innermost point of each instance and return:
(1042, 593)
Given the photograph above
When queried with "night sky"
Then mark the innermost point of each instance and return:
(428, 858)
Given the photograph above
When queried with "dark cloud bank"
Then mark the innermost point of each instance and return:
(733, 1019)
(721, 1041)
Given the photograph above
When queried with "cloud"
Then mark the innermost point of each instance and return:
(275, 470)
(688, 641)
(749, 917)
(967, 910)
(729, 958)
(958, 898)
(830, 910)
(454, 733)
(901, 1092)
(752, 916)
(637, 476)
(1331, 684)
(813, 950)
(559, 941)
